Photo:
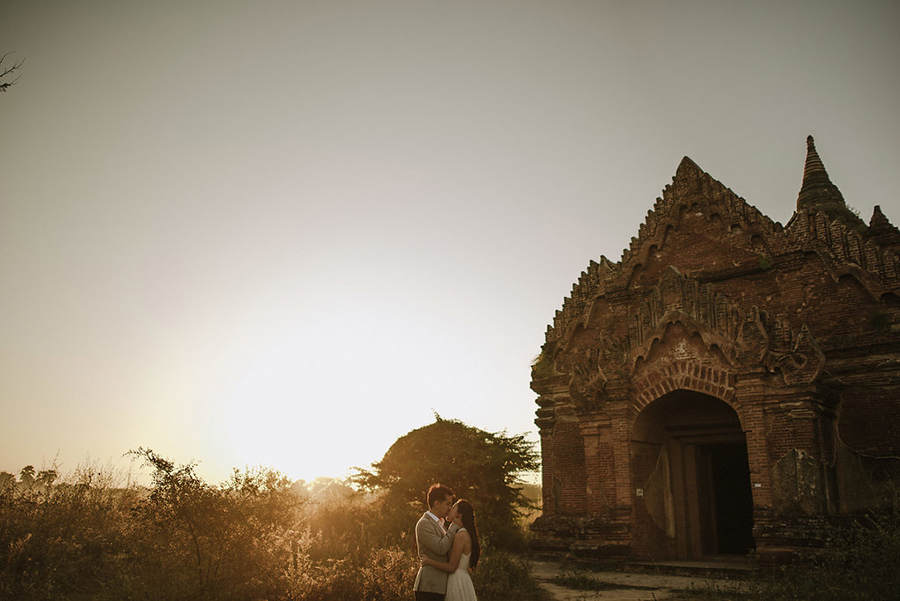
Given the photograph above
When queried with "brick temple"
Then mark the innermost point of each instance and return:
(730, 386)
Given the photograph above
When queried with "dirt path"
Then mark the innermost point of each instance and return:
(627, 586)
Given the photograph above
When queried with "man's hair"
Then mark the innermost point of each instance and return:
(436, 493)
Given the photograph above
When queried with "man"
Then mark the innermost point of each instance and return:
(435, 542)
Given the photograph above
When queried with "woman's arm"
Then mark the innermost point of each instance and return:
(459, 543)
(427, 536)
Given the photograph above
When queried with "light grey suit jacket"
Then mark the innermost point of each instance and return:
(433, 542)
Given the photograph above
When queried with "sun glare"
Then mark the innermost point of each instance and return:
(334, 391)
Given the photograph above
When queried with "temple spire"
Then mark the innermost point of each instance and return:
(881, 230)
(817, 191)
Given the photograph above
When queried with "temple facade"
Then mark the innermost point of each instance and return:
(730, 386)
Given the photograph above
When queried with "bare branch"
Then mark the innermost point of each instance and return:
(8, 70)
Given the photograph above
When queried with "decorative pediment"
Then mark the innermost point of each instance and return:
(692, 192)
(682, 299)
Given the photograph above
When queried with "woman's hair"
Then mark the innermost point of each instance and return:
(468, 520)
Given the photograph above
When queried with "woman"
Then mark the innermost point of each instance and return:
(464, 556)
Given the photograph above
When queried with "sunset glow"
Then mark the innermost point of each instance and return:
(286, 235)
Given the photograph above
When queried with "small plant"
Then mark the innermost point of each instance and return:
(881, 321)
(542, 366)
(582, 581)
(865, 566)
(712, 590)
(502, 575)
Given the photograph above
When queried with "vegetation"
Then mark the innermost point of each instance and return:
(542, 366)
(484, 468)
(8, 72)
(862, 564)
(259, 536)
(256, 536)
(582, 580)
(865, 565)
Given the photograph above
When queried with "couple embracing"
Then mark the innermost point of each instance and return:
(447, 553)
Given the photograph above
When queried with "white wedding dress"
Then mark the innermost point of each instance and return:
(459, 583)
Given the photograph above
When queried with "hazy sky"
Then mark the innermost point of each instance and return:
(285, 233)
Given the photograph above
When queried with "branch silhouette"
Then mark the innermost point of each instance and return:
(4, 85)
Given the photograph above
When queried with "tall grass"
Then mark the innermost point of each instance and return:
(88, 536)
(864, 565)
(861, 564)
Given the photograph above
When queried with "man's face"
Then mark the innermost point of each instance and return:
(442, 508)
(454, 511)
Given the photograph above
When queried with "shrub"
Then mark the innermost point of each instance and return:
(60, 539)
(389, 575)
(227, 542)
(502, 575)
(253, 537)
(865, 565)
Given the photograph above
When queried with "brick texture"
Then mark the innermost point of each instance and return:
(719, 326)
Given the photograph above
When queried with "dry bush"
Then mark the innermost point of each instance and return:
(89, 537)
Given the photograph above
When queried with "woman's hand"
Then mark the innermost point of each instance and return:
(426, 561)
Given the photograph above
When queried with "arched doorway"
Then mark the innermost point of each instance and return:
(691, 478)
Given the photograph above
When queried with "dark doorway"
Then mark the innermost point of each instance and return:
(690, 460)
(732, 502)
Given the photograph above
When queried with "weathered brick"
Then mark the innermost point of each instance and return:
(720, 331)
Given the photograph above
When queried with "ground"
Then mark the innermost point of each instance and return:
(628, 586)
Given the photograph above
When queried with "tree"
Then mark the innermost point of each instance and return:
(6, 72)
(26, 476)
(483, 467)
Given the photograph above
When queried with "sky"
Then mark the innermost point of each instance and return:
(285, 234)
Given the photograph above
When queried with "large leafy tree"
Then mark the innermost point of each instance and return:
(483, 467)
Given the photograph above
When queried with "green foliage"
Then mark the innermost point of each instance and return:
(482, 467)
(542, 366)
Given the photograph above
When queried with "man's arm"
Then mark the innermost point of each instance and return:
(428, 538)
(449, 566)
